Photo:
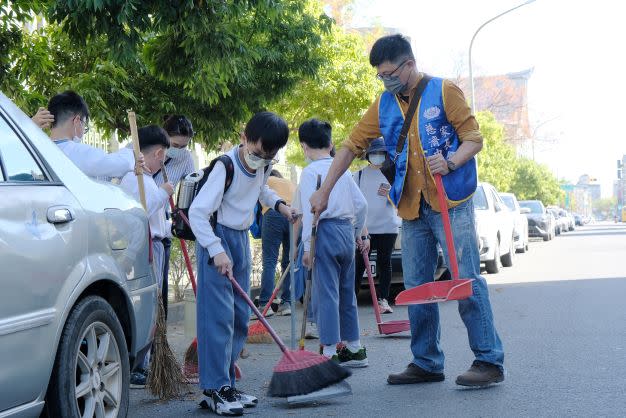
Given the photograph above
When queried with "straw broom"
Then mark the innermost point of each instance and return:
(165, 377)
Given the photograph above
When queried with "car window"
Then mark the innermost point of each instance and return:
(535, 207)
(480, 200)
(509, 202)
(497, 202)
(18, 165)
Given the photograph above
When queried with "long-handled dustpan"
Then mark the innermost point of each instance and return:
(389, 327)
(443, 291)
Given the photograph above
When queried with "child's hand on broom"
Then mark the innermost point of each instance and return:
(223, 264)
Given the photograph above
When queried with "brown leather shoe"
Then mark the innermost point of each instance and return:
(481, 374)
(414, 374)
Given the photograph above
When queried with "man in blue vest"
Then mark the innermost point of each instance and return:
(443, 138)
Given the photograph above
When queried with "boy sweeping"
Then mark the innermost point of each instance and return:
(153, 142)
(339, 226)
(223, 249)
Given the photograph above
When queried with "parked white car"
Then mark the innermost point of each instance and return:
(520, 229)
(494, 224)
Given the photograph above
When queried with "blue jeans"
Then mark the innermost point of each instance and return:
(419, 261)
(333, 300)
(222, 324)
(274, 232)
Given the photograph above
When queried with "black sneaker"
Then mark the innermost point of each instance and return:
(138, 379)
(248, 401)
(481, 374)
(414, 374)
(349, 359)
(222, 402)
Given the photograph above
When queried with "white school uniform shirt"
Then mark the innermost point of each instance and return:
(235, 208)
(382, 216)
(156, 199)
(345, 201)
(96, 163)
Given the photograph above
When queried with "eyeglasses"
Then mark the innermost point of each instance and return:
(84, 123)
(267, 161)
(387, 77)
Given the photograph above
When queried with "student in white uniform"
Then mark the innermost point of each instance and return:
(223, 248)
(338, 228)
(70, 122)
(153, 142)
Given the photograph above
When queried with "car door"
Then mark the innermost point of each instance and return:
(41, 246)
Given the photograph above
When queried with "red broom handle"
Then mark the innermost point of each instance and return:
(256, 311)
(443, 206)
(370, 280)
(183, 246)
(279, 284)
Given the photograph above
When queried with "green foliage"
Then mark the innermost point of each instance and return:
(216, 62)
(497, 160)
(534, 181)
(340, 92)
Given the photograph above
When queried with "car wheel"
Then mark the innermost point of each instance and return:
(546, 237)
(493, 266)
(507, 259)
(91, 369)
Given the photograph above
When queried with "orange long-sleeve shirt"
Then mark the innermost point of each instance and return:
(419, 182)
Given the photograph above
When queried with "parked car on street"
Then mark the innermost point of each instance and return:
(520, 234)
(541, 222)
(578, 220)
(495, 226)
(78, 299)
(571, 223)
(562, 223)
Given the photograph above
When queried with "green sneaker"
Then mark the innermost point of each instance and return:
(349, 359)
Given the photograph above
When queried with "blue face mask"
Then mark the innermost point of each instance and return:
(175, 153)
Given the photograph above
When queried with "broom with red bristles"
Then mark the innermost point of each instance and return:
(257, 334)
(297, 372)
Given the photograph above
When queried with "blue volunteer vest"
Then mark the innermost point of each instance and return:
(437, 135)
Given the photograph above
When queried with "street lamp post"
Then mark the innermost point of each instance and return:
(471, 76)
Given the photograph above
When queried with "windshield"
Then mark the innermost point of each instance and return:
(535, 207)
(509, 202)
(480, 200)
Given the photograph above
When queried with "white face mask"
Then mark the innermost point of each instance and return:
(377, 159)
(254, 163)
(175, 153)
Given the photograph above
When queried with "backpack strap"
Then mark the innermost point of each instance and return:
(230, 170)
(360, 174)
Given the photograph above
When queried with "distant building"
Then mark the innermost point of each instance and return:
(588, 183)
(506, 96)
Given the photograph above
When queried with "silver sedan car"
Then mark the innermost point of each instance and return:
(77, 289)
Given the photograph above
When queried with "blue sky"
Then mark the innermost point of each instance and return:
(578, 84)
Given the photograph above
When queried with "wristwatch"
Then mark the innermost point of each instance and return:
(451, 165)
(364, 237)
(278, 203)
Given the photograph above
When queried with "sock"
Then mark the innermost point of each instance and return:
(354, 346)
(330, 350)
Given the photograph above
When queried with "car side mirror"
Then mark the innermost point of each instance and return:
(524, 210)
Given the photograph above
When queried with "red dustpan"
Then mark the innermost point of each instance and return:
(389, 327)
(443, 291)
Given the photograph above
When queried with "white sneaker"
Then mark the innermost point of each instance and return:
(223, 402)
(383, 306)
(248, 401)
(284, 309)
(311, 332)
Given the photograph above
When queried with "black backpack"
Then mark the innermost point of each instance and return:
(180, 227)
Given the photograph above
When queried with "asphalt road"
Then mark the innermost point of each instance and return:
(560, 311)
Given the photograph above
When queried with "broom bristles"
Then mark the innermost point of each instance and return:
(190, 364)
(303, 373)
(165, 379)
(257, 334)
